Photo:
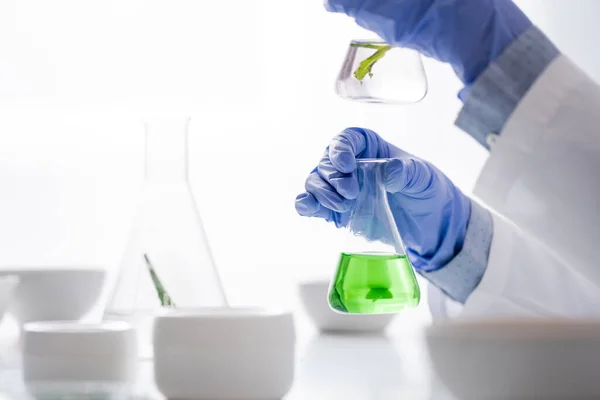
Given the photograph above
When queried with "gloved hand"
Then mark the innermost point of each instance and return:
(429, 211)
(468, 34)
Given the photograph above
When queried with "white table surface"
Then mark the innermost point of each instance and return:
(329, 367)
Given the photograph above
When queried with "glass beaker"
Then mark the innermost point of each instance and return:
(375, 72)
(167, 261)
(374, 275)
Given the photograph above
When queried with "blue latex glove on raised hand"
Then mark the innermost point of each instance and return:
(430, 212)
(468, 34)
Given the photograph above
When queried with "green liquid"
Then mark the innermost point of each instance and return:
(374, 284)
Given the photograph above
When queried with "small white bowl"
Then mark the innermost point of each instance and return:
(314, 298)
(223, 354)
(517, 359)
(57, 294)
(8, 285)
(66, 358)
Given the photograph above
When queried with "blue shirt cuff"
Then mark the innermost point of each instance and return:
(496, 93)
(459, 278)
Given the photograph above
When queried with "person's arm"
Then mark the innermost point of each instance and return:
(542, 175)
(463, 273)
(489, 102)
(499, 89)
(540, 116)
(526, 278)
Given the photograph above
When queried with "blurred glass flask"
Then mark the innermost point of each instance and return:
(374, 275)
(375, 72)
(168, 236)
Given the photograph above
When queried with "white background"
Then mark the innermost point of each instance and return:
(77, 77)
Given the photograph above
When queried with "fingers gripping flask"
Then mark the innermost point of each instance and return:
(374, 275)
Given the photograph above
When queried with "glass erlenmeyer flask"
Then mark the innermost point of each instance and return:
(374, 275)
(168, 236)
(375, 72)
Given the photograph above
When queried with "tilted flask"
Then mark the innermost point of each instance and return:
(374, 275)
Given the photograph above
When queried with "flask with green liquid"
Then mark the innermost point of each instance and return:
(374, 275)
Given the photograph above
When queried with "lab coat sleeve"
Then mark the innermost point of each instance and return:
(490, 102)
(543, 181)
(524, 278)
(459, 278)
(500, 88)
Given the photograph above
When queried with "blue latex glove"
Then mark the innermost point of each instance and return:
(429, 211)
(468, 34)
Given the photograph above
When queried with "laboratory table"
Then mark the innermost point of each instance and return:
(329, 367)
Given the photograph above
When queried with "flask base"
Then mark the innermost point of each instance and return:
(372, 283)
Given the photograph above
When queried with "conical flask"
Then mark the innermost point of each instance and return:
(167, 260)
(375, 72)
(374, 275)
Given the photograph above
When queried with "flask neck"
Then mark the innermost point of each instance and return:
(372, 189)
(372, 228)
(166, 149)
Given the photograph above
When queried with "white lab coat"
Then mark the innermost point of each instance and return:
(543, 182)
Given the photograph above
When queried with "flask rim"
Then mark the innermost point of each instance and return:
(373, 160)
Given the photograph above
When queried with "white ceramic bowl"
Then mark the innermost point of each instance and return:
(314, 298)
(57, 294)
(8, 285)
(224, 354)
(67, 358)
(517, 359)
